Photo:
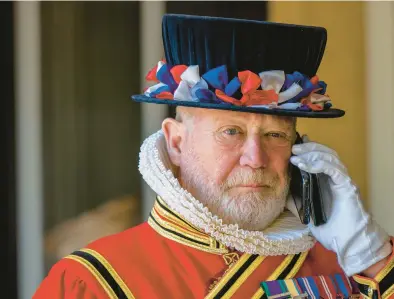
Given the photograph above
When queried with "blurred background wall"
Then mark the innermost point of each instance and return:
(78, 133)
(90, 63)
(343, 68)
(358, 67)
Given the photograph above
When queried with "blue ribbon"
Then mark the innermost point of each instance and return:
(217, 77)
(205, 96)
(164, 75)
(159, 90)
(305, 83)
(323, 87)
(232, 87)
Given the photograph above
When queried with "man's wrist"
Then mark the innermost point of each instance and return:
(373, 270)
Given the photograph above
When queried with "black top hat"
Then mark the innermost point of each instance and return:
(241, 65)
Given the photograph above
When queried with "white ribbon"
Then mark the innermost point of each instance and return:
(153, 88)
(318, 98)
(191, 75)
(272, 80)
(289, 93)
(159, 65)
(191, 81)
(183, 93)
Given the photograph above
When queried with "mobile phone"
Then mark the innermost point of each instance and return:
(300, 187)
(317, 207)
(306, 187)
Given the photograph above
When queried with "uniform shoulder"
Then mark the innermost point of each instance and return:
(130, 240)
(69, 279)
(78, 273)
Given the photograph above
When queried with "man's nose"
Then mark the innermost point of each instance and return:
(254, 154)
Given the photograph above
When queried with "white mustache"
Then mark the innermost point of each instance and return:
(246, 177)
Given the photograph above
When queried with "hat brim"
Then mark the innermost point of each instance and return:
(329, 113)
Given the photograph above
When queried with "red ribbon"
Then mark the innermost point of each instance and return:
(251, 96)
(165, 95)
(177, 71)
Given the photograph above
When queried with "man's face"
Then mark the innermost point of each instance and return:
(236, 164)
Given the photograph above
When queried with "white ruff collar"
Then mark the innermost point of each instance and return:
(286, 235)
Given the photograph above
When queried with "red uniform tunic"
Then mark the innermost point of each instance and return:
(169, 258)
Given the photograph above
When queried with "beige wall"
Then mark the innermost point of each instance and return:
(343, 69)
(379, 19)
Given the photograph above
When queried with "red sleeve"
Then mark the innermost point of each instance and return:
(69, 280)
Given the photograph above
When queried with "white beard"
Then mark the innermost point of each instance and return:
(251, 211)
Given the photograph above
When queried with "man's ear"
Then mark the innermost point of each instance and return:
(174, 132)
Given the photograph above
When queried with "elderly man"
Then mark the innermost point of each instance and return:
(226, 223)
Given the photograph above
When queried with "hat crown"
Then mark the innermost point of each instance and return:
(242, 44)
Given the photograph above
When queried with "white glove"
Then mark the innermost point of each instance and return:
(350, 231)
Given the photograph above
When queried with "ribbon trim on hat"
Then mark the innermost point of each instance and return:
(268, 89)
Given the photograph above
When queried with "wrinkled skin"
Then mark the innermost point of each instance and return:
(235, 163)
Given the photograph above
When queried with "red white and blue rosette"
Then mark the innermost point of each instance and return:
(268, 89)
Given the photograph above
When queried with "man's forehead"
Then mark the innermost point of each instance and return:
(214, 115)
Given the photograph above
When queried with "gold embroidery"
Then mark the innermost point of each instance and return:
(170, 225)
(95, 273)
(230, 258)
(244, 277)
(158, 205)
(111, 270)
(388, 293)
(184, 241)
(179, 229)
(173, 227)
(361, 280)
(231, 270)
(229, 264)
(373, 284)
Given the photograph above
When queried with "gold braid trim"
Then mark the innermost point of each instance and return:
(111, 270)
(182, 240)
(100, 279)
(233, 268)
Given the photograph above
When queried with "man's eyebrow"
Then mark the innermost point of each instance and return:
(229, 118)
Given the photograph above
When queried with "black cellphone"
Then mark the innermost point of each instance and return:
(306, 186)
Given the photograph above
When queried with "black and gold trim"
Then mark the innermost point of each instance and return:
(172, 226)
(104, 273)
(246, 265)
(368, 287)
(235, 276)
(385, 278)
(382, 286)
(287, 269)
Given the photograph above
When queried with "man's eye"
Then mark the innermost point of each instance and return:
(231, 131)
(276, 139)
(276, 135)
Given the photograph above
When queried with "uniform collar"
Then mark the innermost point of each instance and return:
(173, 226)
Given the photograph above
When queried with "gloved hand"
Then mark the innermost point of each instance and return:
(350, 231)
